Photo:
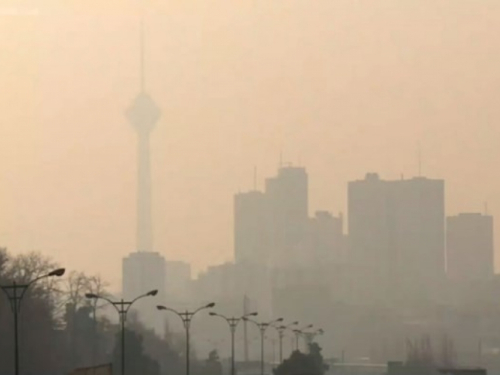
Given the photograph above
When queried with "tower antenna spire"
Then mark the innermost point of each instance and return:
(142, 67)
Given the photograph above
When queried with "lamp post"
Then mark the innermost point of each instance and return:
(15, 293)
(94, 331)
(262, 328)
(233, 323)
(186, 317)
(95, 346)
(299, 332)
(281, 333)
(122, 307)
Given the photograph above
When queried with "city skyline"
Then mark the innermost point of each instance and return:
(66, 148)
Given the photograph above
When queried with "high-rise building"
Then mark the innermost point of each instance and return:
(469, 247)
(178, 280)
(251, 228)
(369, 237)
(271, 227)
(397, 237)
(287, 198)
(326, 238)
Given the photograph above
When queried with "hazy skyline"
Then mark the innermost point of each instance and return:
(345, 87)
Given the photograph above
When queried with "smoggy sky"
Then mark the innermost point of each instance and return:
(343, 87)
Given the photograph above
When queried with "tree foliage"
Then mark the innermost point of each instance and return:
(60, 329)
(212, 365)
(303, 364)
(37, 315)
(138, 362)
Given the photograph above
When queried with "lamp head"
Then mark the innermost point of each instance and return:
(211, 313)
(210, 305)
(310, 326)
(295, 323)
(160, 307)
(279, 319)
(152, 293)
(253, 314)
(57, 272)
(91, 295)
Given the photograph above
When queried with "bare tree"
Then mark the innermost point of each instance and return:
(37, 314)
(26, 267)
(4, 258)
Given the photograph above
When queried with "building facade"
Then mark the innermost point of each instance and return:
(143, 272)
(396, 238)
(470, 247)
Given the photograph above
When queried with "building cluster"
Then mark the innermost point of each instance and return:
(397, 251)
(399, 248)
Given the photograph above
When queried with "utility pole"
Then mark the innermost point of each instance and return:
(245, 328)
(15, 293)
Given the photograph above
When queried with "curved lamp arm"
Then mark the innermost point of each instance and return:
(151, 293)
(211, 313)
(57, 272)
(165, 308)
(283, 328)
(273, 322)
(306, 327)
(209, 306)
(253, 321)
(249, 314)
(97, 297)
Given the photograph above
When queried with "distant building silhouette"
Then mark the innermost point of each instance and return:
(231, 281)
(251, 228)
(288, 204)
(469, 247)
(326, 235)
(271, 228)
(396, 237)
(178, 281)
(284, 259)
(142, 272)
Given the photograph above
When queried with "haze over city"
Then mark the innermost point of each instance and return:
(316, 181)
(340, 87)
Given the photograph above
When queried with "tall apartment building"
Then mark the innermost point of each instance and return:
(251, 228)
(396, 238)
(287, 198)
(470, 247)
(178, 280)
(271, 227)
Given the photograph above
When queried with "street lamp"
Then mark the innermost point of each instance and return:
(262, 328)
(233, 323)
(299, 332)
(186, 318)
(281, 332)
(15, 294)
(122, 307)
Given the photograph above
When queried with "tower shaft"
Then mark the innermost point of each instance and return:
(144, 214)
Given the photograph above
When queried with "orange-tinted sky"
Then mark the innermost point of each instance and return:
(342, 86)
